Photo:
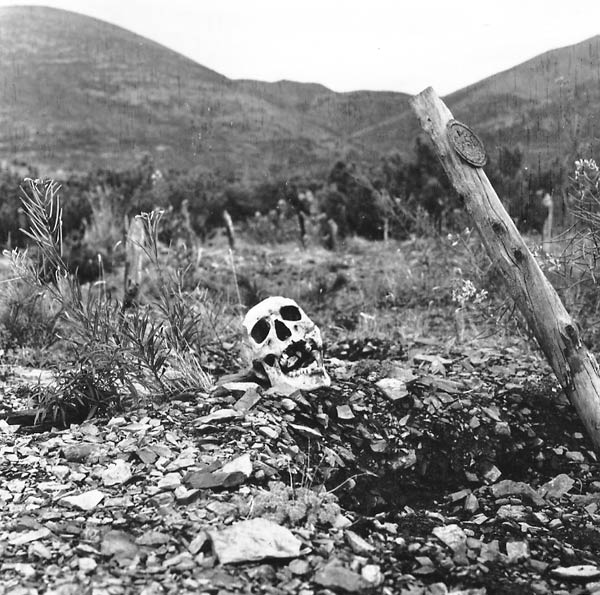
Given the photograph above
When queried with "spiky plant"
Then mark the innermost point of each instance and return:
(113, 352)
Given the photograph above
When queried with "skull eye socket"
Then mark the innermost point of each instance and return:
(290, 313)
(260, 330)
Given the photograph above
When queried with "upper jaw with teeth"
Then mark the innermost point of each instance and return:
(300, 357)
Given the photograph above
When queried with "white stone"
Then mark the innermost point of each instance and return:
(256, 539)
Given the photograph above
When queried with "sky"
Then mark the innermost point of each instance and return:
(347, 45)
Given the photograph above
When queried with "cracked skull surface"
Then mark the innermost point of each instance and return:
(287, 343)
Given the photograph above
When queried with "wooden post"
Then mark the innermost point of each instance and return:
(229, 229)
(547, 229)
(134, 260)
(556, 332)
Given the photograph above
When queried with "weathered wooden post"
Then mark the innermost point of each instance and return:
(134, 260)
(548, 223)
(229, 229)
(462, 156)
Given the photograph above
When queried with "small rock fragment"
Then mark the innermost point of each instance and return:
(87, 564)
(29, 536)
(344, 412)
(513, 512)
(204, 480)
(451, 535)
(460, 495)
(574, 455)
(78, 453)
(117, 473)
(557, 487)
(247, 400)
(152, 538)
(240, 387)
(146, 455)
(221, 415)
(288, 404)
(269, 432)
(471, 504)
(492, 474)
(306, 431)
(393, 388)
(335, 576)
(168, 482)
(517, 551)
(507, 487)
(299, 567)
(243, 464)
(118, 543)
(198, 543)
(580, 572)
(358, 544)
(372, 574)
(86, 501)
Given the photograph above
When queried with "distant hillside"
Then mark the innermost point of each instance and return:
(549, 105)
(78, 93)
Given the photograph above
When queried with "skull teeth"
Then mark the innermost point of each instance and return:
(312, 369)
(298, 357)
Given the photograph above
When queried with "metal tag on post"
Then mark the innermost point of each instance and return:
(466, 143)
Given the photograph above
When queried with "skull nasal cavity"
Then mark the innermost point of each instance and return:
(282, 331)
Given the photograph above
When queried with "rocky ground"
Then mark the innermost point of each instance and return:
(421, 470)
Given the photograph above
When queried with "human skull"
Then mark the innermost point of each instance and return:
(287, 343)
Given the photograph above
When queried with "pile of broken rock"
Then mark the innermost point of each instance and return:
(393, 479)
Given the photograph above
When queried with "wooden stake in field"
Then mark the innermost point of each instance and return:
(229, 229)
(134, 261)
(462, 157)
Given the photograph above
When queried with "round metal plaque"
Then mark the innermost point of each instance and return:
(466, 143)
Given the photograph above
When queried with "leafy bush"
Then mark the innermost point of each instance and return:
(112, 352)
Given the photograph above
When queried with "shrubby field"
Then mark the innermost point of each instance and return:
(139, 446)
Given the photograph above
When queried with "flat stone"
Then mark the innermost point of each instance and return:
(221, 415)
(153, 538)
(580, 572)
(248, 400)
(335, 576)
(344, 412)
(517, 551)
(240, 387)
(513, 512)
(358, 544)
(492, 475)
(508, 487)
(253, 540)
(118, 543)
(393, 388)
(269, 432)
(170, 481)
(205, 480)
(299, 567)
(242, 464)
(451, 535)
(78, 453)
(557, 487)
(29, 536)
(471, 503)
(86, 501)
(117, 473)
